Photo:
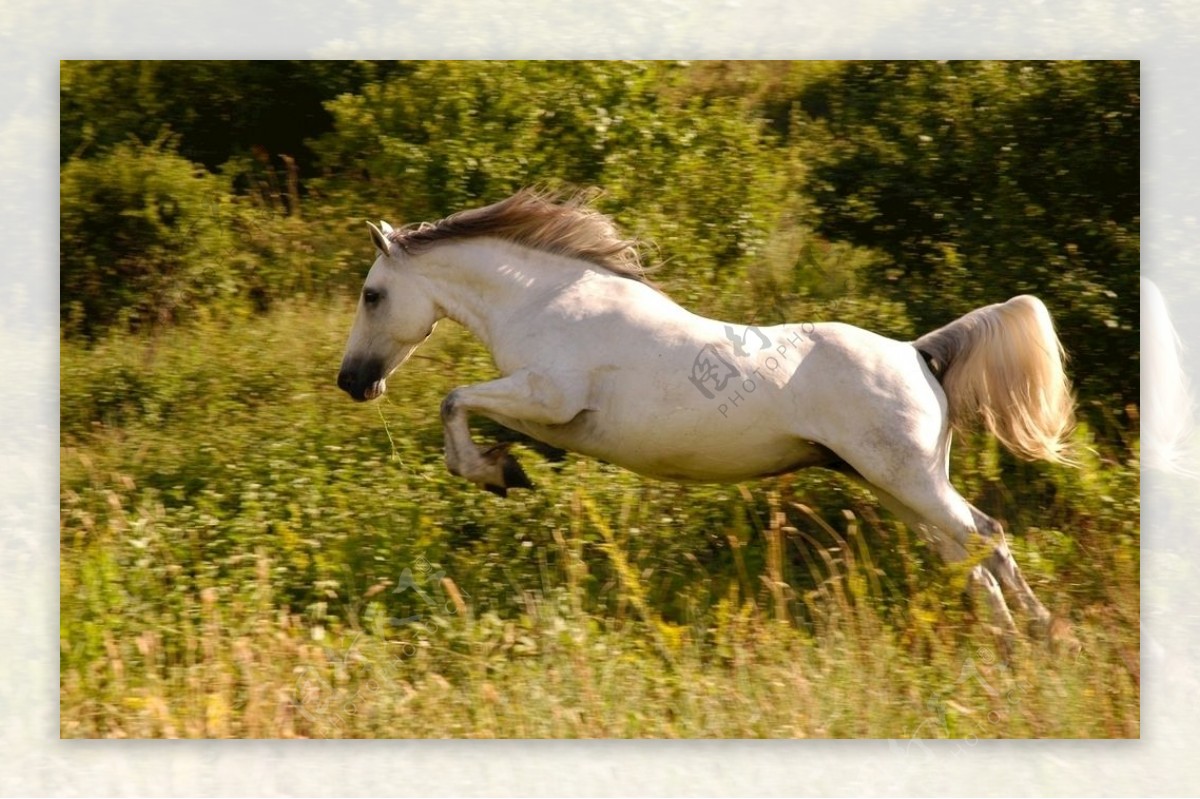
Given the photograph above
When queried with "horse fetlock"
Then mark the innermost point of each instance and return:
(1060, 636)
(1038, 626)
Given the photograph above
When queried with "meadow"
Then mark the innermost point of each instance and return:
(247, 553)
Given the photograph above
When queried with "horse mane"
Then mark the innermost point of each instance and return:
(549, 221)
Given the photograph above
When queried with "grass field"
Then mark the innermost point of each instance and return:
(247, 553)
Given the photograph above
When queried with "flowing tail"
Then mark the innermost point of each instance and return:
(1003, 366)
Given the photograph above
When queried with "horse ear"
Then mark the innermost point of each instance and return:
(380, 240)
(385, 227)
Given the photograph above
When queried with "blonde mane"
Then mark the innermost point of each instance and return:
(541, 220)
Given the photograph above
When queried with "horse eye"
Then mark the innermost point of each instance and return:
(371, 296)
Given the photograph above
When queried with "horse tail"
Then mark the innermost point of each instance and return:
(1003, 366)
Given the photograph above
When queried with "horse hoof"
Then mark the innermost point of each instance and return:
(1041, 628)
(1061, 638)
(511, 473)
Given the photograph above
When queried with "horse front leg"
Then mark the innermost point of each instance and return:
(526, 396)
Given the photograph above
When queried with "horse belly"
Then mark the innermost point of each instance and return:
(678, 451)
(728, 464)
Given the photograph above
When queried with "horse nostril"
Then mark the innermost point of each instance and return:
(357, 374)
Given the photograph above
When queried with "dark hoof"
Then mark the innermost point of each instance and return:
(510, 470)
(1042, 629)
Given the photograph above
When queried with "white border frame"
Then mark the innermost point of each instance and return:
(35, 34)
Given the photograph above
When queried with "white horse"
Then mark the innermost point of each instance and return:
(595, 360)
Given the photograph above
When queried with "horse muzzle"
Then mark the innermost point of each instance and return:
(362, 379)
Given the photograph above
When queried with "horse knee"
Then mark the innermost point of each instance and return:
(449, 405)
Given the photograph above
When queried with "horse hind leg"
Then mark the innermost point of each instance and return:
(981, 580)
(907, 469)
(1002, 564)
(955, 524)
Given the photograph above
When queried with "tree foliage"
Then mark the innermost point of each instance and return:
(691, 173)
(219, 109)
(979, 181)
(142, 238)
(906, 193)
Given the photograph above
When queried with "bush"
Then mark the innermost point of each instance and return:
(145, 237)
(977, 181)
(692, 173)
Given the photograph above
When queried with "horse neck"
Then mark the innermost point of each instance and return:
(481, 282)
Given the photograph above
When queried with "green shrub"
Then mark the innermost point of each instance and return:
(145, 237)
(977, 181)
(694, 174)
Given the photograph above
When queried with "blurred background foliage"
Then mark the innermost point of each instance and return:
(226, 510)
(938, 186)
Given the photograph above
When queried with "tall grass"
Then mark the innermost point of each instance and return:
(246, 553)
